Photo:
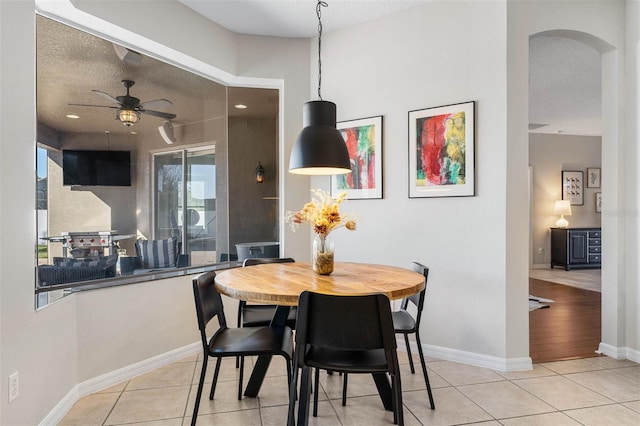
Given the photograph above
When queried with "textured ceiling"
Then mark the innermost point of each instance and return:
(71, 63)
(565, 86)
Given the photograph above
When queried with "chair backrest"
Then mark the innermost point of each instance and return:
(418, 298)
(261, 260)
(343, 322)
(208, 303)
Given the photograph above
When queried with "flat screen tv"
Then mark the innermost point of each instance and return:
(98, 168)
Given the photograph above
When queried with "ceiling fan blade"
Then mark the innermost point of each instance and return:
(98, 106)
(164, 115)
(156, 103)
(107, 96)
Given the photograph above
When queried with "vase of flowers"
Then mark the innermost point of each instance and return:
(322, 213)
(322, 255)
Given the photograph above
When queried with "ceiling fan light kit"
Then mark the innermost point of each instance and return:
(128, 117)
(129, 107)
(319, 148)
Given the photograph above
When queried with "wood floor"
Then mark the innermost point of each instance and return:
(570, 328)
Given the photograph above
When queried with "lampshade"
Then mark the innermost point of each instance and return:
(128, 116)
(319, 148)
(562, 207)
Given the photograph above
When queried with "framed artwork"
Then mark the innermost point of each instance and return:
(442, 151)
(364, 143)
(573, 187)
(593, 178)
(598, 202)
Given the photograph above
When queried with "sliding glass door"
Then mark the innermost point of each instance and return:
(185, 201)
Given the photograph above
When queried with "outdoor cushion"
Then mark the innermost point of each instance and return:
(157, 253)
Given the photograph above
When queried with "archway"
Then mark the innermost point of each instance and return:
(585, 215)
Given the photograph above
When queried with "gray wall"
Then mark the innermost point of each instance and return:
(254, 218)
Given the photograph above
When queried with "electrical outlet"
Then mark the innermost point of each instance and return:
(541, 250)
(13, 386)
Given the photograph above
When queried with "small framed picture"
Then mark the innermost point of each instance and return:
(364, 143)
(598, 202)
(442, 151)
(573, 187)
(593, 177)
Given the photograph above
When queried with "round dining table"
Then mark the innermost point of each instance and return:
(281, 284)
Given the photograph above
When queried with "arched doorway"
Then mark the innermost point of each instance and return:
(566, 71)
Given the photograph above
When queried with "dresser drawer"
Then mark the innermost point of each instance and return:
(595, 249)
(595, 234)
(595, 258)
(595, 242)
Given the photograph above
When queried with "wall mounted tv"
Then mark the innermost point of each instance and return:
(97, 168)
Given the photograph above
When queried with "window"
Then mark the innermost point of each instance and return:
(180, 185)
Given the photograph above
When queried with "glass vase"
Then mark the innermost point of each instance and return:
(322, 255)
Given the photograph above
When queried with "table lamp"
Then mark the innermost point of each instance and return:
(562, 207)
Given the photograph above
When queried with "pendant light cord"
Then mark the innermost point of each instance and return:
(319, 7)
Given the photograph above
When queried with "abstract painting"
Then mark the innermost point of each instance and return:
(441, 151)
(364, 143)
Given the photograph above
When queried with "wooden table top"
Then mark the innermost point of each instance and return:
(282, 283)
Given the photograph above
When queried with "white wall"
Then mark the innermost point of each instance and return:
(94, 333)
(549, 155)
(632, 176)
(477, 247)
(435, 54)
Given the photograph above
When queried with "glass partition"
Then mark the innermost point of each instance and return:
(175, 138)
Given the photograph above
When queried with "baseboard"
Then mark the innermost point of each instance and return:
(540, 266)
(114, 377)
(619, 353)
(470, 358)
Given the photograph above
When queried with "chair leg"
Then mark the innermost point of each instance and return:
(241, 305)
(215, 378)
(240, 378)
(344, 389)
(406, 341)
(293, 395)
(305, 397)
(424, 371)
(315, 396)
(398, 409)
(196, 406)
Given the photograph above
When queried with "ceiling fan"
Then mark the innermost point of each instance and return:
(129, 108)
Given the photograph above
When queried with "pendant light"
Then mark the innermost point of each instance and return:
(319, 148)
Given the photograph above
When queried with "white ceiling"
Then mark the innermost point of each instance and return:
(293, 18)
(565, 75)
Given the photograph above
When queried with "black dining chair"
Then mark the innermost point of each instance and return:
(232, 342)
(254, 315)
(405, 323)
(346, 334)
(258, 315)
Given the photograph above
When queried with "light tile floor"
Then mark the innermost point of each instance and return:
(595, 391)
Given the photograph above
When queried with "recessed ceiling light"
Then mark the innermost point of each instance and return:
(72, 116)
(133, 133)
(241, 106)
